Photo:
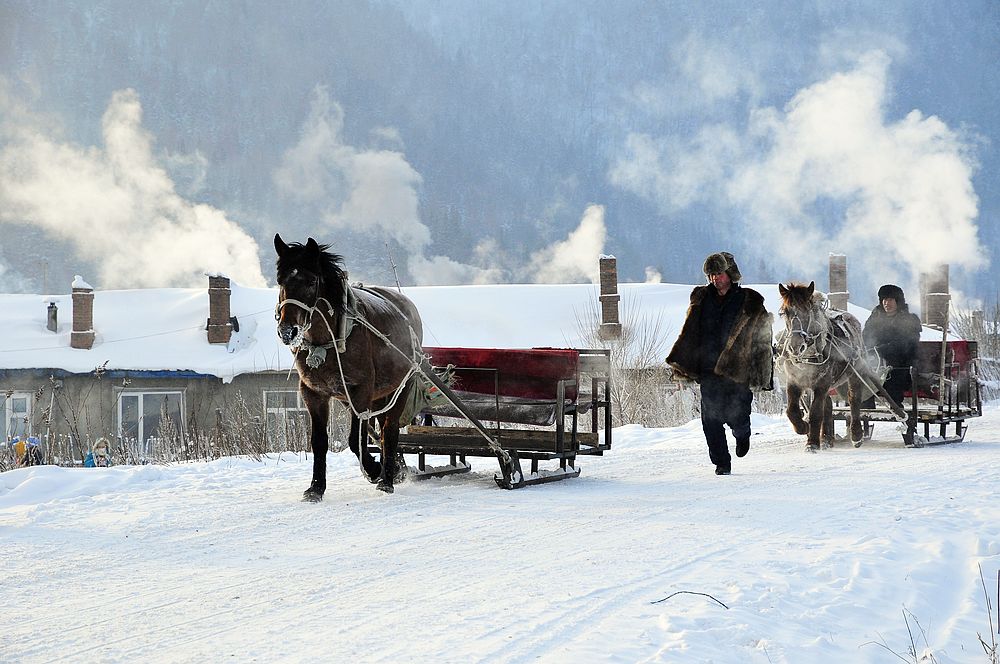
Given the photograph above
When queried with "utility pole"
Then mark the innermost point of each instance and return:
(393, 264)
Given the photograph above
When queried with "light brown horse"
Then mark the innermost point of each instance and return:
(366, 366)
(819, 350)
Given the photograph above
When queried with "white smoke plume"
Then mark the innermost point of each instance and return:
(653, 276)
(366, 191)
(358, 190)
(828, 173)
(711, 72)
(576, 257)
(116, 204)
(376, 191)
(11, 281)
(441, 270)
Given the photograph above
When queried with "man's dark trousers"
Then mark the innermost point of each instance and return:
(724, 402)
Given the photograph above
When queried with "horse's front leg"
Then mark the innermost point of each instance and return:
(854, 389)
(816, 410)
(319, 414)
(794, 409)
(827, 433)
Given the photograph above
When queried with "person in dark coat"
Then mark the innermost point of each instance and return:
(726, 346)
(894, 333)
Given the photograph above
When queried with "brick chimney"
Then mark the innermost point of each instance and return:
(220, 326)
(838, 294)
(83, 315)
(611, 327)
(935, 294)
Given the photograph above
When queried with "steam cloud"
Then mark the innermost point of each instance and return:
(360, 190)
(377, 191)
(366, 191)
(117, 205)
(577, 255)
(902, 190)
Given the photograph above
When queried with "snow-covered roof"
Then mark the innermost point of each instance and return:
(164, 329)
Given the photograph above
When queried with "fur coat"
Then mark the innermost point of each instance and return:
(747, 357)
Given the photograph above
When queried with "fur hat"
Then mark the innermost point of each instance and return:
(892, 291)
(722, 262)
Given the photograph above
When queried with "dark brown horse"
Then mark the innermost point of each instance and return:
(819, 350)
(351, 344)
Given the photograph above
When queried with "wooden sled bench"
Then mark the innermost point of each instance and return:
(526, 402)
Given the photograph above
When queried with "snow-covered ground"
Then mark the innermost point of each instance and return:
(816, 557)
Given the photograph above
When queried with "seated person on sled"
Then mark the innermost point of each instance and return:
(893, 332)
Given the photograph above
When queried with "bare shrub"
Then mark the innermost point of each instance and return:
(642, 389)
(911, 653)
(240, 428)
(990, 648)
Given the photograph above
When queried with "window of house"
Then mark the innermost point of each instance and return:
(144, 418)
(285, 415)
(15, 414)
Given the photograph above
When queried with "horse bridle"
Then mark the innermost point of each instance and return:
(814, 343)
(309, 309)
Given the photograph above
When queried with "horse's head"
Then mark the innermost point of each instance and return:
(805, 322)
(308, 275)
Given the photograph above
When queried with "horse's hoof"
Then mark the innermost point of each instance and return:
(812, 448)
(801, 429)
(372, 475)
(859, 443)
(384, 486)
(311, 496)
(827, 445)
(400, 474)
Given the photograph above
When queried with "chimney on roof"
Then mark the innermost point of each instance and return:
(838, 294)
(83, 315)
(52, 319)
(611, 327)
(935, 294)
(220, 325)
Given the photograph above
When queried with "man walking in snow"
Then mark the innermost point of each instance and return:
(726, 346)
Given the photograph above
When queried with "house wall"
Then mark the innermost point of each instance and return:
(75, 409)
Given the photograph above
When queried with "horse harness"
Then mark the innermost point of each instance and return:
(345, 324)
(818, 346)
(316, 353)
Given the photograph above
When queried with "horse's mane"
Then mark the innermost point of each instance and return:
(801, 296)
(328, 264)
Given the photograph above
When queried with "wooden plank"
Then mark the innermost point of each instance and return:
(594, 363)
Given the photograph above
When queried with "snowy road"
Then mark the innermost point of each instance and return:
(815, 556)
